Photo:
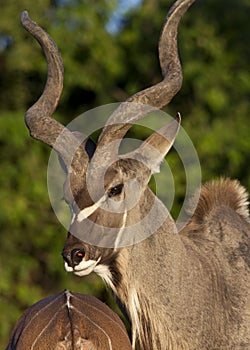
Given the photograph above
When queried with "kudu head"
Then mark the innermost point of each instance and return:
(111, 203)
(69, 321)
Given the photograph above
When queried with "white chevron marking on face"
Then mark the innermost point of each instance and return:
(86, 212)
(85, 267)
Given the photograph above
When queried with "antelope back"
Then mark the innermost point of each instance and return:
(69, 321)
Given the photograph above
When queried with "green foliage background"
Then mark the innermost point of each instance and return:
(103, 67)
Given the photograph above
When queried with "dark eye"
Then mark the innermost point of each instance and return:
(114, 191)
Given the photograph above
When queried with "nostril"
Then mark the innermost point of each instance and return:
(76, 256)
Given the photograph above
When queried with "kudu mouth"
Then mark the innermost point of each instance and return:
(75, 261)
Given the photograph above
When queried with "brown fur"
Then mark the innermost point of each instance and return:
(204, 303)
(69, 321)
(217, 193)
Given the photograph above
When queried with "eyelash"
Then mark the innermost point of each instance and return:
(116, 190)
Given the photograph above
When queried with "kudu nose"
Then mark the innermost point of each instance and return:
(73, 257)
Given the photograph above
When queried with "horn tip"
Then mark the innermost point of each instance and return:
(24, 16)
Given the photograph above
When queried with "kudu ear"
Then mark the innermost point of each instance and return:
(156, 146)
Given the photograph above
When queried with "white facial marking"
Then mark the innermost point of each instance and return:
(73, 216)
(86, 212)
(119, 234)
(67, 267)
(72, 212)
(85, 267)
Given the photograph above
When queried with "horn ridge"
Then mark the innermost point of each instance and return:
(38, 117)
(156, 96)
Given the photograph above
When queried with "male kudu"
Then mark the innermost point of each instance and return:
(185, 290)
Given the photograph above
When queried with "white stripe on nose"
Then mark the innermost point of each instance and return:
(86, 212)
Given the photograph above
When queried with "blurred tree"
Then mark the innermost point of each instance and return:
(79, 29)
(103, 67)
(20, 63)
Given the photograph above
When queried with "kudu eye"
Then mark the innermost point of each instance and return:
(114, 191)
